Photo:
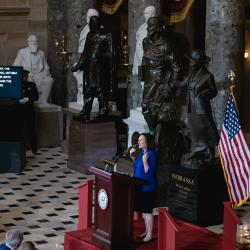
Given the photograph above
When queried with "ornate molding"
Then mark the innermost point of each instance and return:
(13, 10)
(180, 10)
(111, 6)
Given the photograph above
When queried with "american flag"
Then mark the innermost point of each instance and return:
(235, 155)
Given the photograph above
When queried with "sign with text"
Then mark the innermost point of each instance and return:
(10, 82)
(197, 195)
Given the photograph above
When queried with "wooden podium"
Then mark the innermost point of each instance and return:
(114, 203)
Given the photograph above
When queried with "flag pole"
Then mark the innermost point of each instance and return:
(231, 78)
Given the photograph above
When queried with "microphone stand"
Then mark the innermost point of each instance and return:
(111, 164)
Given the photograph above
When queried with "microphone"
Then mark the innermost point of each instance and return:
(116, 157)
(135, 146)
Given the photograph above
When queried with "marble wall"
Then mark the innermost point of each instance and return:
(246, 87)
(225, 46)
(18, 19)
(65, 18)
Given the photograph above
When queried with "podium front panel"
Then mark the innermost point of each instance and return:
(114, 196)
(103, 216)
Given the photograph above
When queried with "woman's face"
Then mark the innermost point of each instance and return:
(142, 142)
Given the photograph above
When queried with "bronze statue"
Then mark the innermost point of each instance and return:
(160, 71)
(201, 89)
(96, 61)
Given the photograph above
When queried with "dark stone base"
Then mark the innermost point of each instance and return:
(49, 126)
(12, 140)
(12, 157)
(90, 143)
(197, 195)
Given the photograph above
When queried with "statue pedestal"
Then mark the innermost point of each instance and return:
(90, 143)
(76, 106)
(49, 125)
(12, 139)
(197, 195)
(136, 123)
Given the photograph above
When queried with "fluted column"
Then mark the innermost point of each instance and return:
(224, 44)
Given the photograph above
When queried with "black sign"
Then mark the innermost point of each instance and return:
(197, 195)
(10, 82)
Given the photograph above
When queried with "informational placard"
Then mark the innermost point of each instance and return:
(10, 82)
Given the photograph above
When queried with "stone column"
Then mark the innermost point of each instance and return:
(224, 44)
(56, 28)
(135, 19)
(76, 18)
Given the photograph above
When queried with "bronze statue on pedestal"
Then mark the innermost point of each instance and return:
(96, 61)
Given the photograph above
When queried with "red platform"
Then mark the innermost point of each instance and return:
(169, 233)
(192, 237)
(82, 239)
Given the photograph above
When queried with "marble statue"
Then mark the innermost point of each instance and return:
(33, 60)
(97, 64)
(141, 33)
(78, 74)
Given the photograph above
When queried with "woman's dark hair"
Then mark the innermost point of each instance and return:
(135, 137)
(149, 140)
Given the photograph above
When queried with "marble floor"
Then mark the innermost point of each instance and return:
(41, 201)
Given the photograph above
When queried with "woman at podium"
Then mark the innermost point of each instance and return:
(145, 168)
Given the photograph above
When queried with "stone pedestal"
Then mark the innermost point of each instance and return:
(76, 106)
(197, 195)
(12, 140)
(49, 126)
(90, 143)
(136, 123)
(12, 156)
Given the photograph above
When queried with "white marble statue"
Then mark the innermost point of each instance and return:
(141, 33)
(79, 74)
(32, 59)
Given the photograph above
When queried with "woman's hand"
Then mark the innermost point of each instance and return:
(132, 153)
(145, 162)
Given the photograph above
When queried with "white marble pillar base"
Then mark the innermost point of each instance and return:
(136, 123)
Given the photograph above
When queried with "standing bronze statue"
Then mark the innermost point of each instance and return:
(160, 71)
(96, 61)
(201, 89)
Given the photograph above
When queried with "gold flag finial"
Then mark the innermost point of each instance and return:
(231, 77)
